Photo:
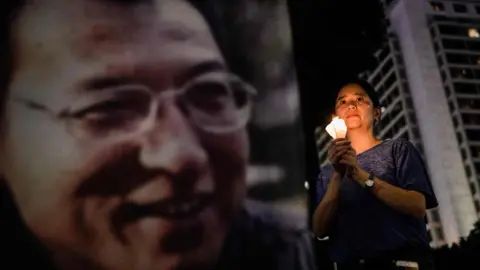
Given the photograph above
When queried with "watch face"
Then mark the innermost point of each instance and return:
(369, 182)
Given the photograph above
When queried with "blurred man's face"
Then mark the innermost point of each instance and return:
(98, 184)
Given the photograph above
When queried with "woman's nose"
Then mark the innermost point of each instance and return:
(352, 104)
(172, 145)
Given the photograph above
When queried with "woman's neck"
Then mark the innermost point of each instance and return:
(362, 140)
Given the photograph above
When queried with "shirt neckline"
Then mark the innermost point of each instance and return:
(373, 147)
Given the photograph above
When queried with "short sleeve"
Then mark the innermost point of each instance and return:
(412, 173)
(321, 185)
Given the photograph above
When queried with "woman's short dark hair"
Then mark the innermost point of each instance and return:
(368, 88)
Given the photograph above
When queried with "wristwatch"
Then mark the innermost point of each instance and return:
(370, 181)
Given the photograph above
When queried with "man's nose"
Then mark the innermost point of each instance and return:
(172, 145)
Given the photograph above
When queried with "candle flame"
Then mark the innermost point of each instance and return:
(337, 128)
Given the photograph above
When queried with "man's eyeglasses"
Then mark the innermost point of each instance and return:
(216, 103)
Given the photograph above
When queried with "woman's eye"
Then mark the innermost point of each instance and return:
(360, 99)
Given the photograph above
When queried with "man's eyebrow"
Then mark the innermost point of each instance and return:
(106, 82)
(340, 97)
(99, 83)
(202, 68)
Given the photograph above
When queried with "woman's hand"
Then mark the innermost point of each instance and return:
(349, 158)
(336, 150)
(354, 171)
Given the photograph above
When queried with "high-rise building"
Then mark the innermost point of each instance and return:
(428, 78)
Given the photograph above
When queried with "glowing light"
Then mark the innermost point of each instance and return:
(337, 128)
(473, 33)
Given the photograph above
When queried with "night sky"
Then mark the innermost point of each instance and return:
(334, 40)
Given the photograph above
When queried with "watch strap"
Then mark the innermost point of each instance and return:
(370, 181)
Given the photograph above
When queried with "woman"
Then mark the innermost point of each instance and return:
(372, 194)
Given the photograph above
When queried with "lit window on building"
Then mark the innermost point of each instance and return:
(473, 33)
(437, 6)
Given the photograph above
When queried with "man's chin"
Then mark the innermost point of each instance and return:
(121, 258)
(158, 244)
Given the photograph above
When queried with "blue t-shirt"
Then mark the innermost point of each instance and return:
(364, 226)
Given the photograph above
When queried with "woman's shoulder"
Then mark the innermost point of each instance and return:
(402, 144)
(401, 148)
(398, 143)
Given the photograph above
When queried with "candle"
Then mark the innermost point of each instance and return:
(337, 128)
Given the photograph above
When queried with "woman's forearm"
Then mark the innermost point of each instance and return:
(327, 207)
(406, 201)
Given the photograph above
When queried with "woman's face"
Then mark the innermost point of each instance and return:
(161, 199)
(355, 107)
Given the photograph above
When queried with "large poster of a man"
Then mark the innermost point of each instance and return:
(125, 141)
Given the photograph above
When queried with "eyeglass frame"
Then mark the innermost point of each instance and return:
(149, 120)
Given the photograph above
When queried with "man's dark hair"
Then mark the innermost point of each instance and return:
(368, 88)
(8, 13)
(17, 240)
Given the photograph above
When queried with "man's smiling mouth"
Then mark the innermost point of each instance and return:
(176, 208)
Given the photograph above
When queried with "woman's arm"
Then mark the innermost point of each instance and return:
(327, 207)
(406, 201)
